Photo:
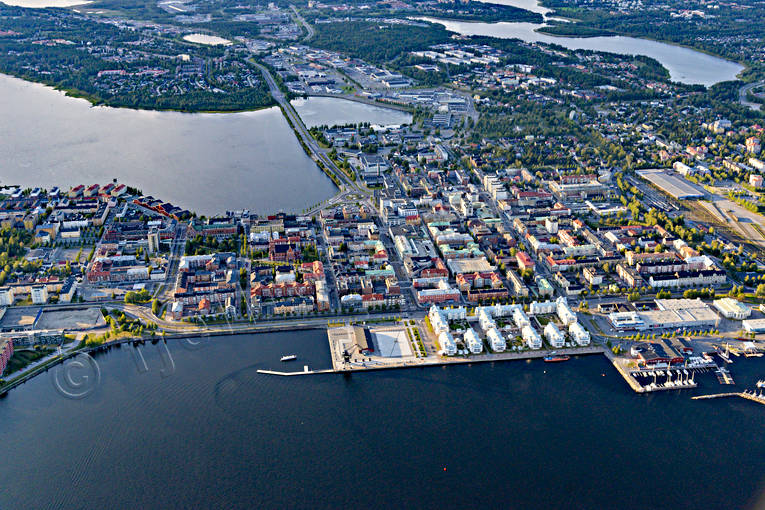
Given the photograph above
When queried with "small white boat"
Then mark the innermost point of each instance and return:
(289, 357)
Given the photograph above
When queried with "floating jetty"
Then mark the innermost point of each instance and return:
(723, 376)
(749, 395)
(304, 372)
(648, 380)
(671, 379)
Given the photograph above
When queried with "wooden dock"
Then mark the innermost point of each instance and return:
(304, 372)
(723, 376)
(743, 394)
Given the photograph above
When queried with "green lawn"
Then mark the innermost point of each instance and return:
(21, 359)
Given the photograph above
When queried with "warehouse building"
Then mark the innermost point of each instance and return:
(732, 309)
(671, 184)
(754, 325)
(669, 314)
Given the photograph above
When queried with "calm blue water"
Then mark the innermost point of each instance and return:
(207, 163)
(212, 433)
(684, 64)
(330, 111)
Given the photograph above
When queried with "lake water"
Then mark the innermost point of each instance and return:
(208, 431)
(318, 111)
(211, 40)
(209, 163)
(529, 5)
(684, 65)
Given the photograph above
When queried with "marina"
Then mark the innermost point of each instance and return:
(666, 379)
(662, 377)
(657, 366)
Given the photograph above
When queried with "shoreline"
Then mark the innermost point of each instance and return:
(27, 375)
(614, 34)
(78, 94)
(672, 43)
(360, 100)
(332, 177)
(430, 361)
(20, 84)
(438, 361)
(77, 3)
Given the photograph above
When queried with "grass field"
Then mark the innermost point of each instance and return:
(21, 359)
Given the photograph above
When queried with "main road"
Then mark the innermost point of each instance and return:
(144, 313)
(309, 29)
(743, 91)
(319, 155)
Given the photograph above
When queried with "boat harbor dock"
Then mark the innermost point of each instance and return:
(305, 371)
(749, 395)
(723, 376)
(372, 365)
(663, 378)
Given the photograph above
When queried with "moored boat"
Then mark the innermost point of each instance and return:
(289, 357)
(556, 358)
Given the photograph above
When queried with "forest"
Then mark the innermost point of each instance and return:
(67, 52)
(454, 10)
(375, 42)
(728, 32)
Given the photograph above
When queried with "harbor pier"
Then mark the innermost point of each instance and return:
(749, 395)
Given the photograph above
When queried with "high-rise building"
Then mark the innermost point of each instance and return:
(153, 240)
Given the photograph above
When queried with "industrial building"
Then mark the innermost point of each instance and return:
(670, 314)
(732, 309)
(754, 325)
(671, 184)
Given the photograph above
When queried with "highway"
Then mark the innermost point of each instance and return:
(743, 91)
(303, 134)
(303, 22)
(350, 190)
(144, 313)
